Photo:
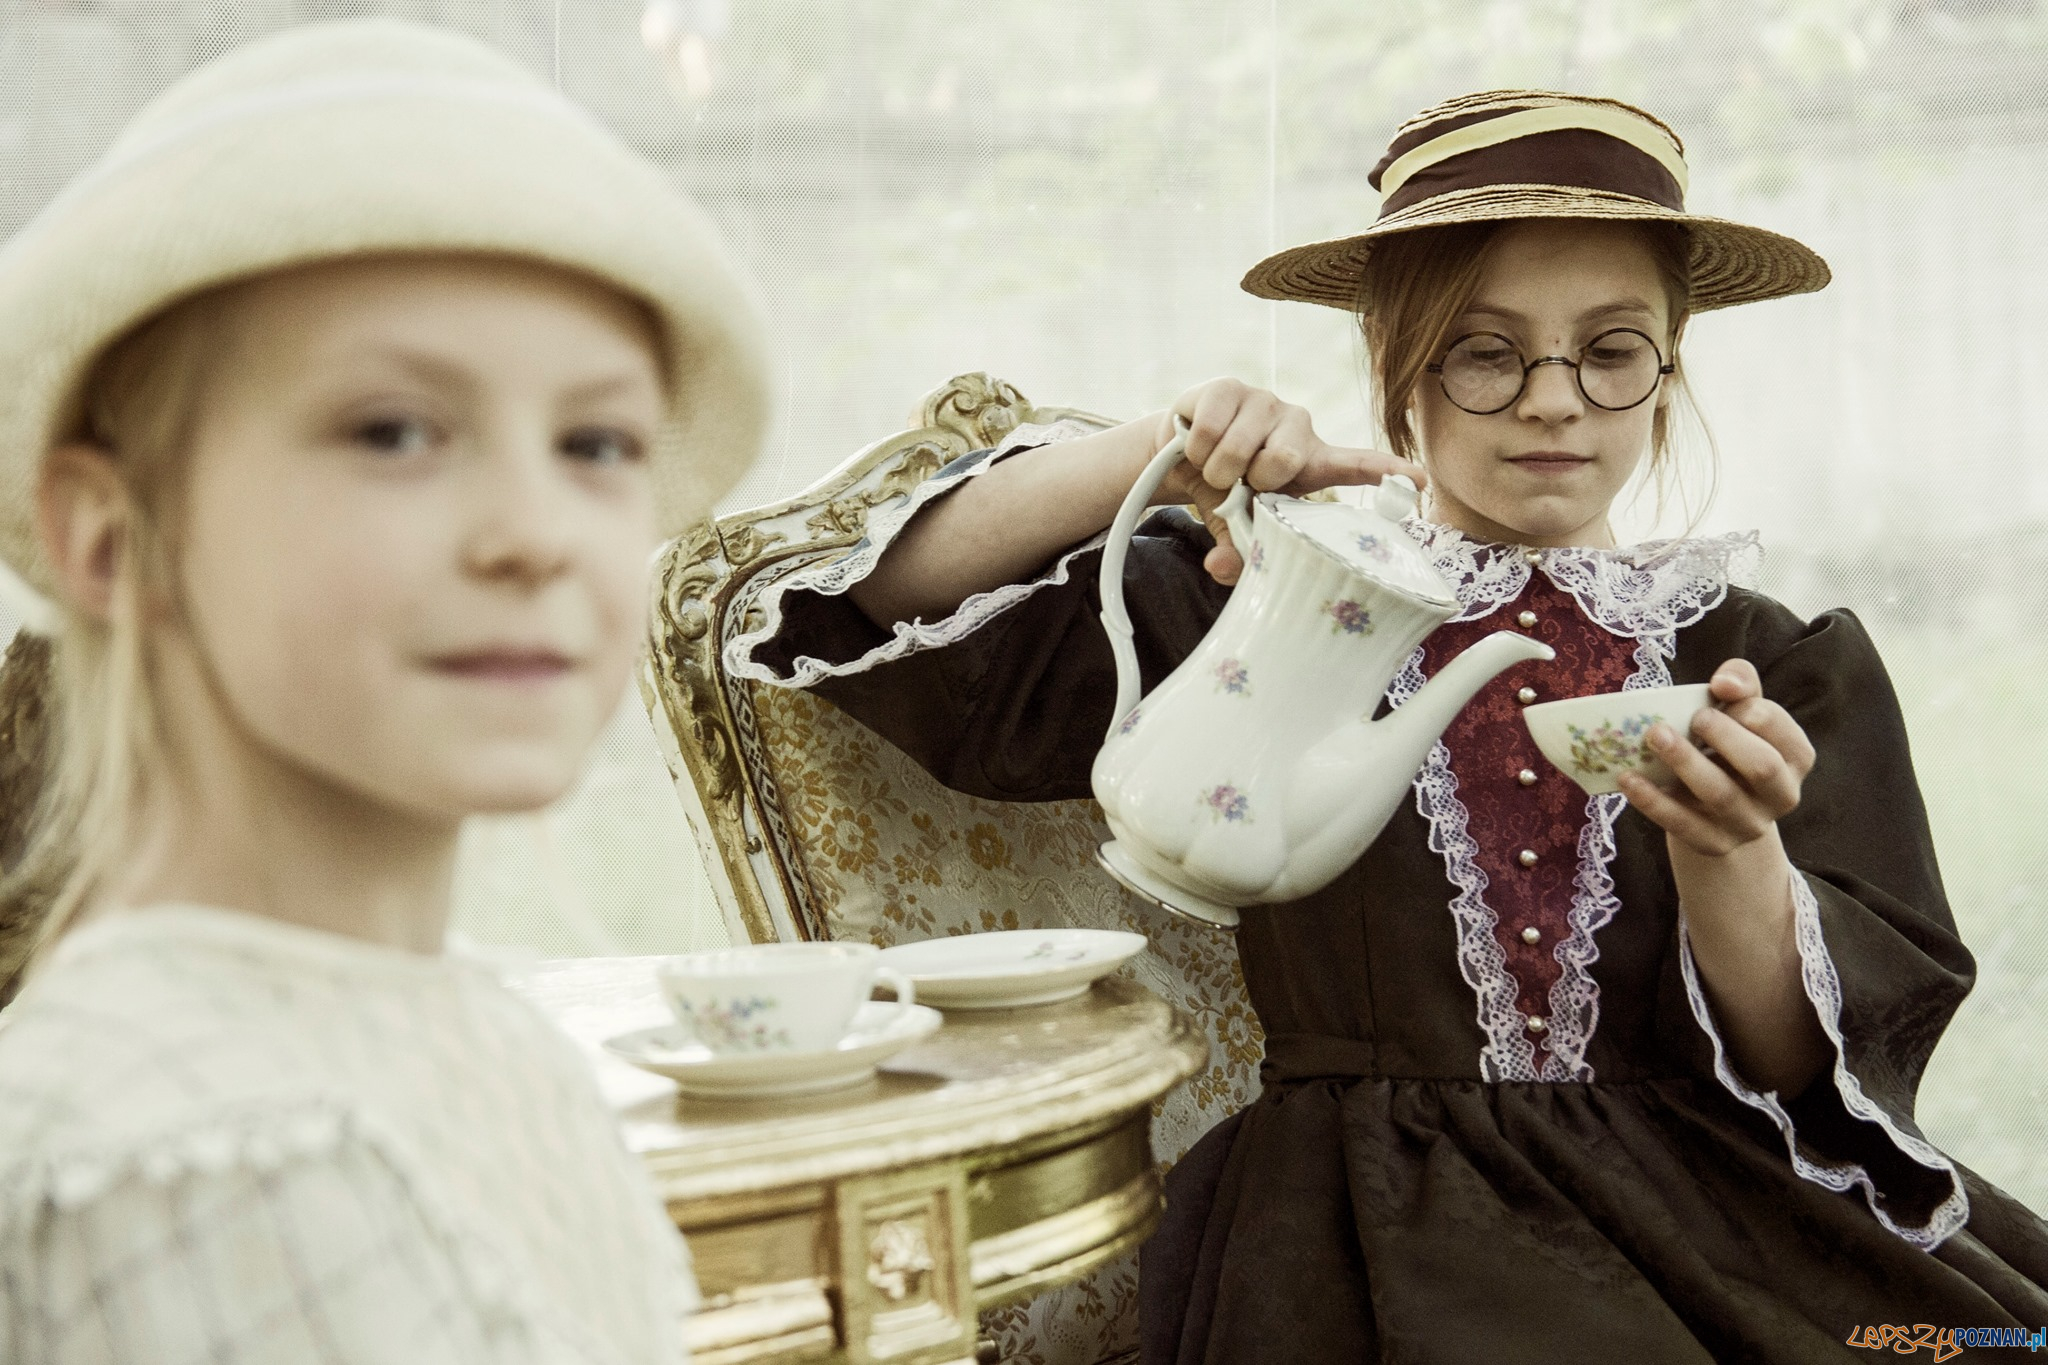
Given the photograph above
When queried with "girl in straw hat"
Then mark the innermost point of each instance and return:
(347, 398)
(1518, 1105)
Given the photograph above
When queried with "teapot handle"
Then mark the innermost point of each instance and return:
(1116, 621)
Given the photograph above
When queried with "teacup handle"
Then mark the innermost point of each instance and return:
(1116, 620)
(906, 994)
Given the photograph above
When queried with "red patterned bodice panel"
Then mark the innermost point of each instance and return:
(1490, 750)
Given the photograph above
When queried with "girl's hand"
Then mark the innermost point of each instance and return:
(1239, 432)
(1721, 806)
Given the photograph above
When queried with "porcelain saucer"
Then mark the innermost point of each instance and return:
(879, 1031)
(1011, 967)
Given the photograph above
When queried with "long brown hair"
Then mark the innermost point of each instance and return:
(1415, 285)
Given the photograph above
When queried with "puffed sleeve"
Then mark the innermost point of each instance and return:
(323, 1260)
(1881, 961)
(1009, 696)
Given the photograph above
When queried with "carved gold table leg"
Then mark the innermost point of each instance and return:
(906, 1293)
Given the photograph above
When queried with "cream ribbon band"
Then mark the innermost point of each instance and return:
(1524, 122)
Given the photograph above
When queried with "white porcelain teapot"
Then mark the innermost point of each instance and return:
(1255, 772)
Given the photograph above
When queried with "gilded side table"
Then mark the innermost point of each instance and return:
(1008, 1153)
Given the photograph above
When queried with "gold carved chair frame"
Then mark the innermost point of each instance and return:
(709, 580)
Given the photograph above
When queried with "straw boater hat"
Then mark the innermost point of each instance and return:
(346, 139)
(1507, 154)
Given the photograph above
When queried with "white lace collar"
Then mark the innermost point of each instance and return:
(1653, 588)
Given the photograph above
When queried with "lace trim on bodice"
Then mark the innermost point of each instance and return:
(883, 526)
(1649, 592)
(1823, 985)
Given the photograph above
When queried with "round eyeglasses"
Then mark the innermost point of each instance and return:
(1484, 373)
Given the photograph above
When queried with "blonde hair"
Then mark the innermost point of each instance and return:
(1414, 286)
(139, 403)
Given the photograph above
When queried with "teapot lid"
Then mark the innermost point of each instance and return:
(1369, 539)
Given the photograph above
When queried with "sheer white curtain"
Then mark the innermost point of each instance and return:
(1066, 193)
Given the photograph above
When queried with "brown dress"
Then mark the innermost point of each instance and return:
(1497, 1123)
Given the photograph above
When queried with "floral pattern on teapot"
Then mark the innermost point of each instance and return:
(1227, 803)
(1376, 549)
(1348, 616)
(1233, 677)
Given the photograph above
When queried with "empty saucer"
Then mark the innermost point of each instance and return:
(1011, 967)
(880, 1030)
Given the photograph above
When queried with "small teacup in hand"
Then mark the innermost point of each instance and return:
(1594, 740)
(775, 997)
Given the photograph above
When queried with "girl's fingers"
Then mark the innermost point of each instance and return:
(1716, 793)
(1209, 409)
(1341, 466)
(1258, 415)
(1239, 432)
(1671, 814)
(1736, 680)
(1284, 450)
(1757, 763)
(1224, 563)
(1775, 725)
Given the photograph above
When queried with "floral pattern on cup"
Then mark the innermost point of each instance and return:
(1130, 721)
(730, 1025)
(1348, 617)
(1233, 677)
(1612, 748)
(1375, 549)
(1227, 803)
(1256, 560)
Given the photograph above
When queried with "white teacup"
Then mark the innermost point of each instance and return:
(1594, 740)
(775, 997)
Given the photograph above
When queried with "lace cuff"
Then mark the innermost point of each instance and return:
(835, 577)
(1823, 984)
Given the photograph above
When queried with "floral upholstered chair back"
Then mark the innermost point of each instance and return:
(813, 827)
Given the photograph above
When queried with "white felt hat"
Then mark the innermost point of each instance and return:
(358, 138)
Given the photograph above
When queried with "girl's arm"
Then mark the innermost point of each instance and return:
(1008, 523)
(1734, 880)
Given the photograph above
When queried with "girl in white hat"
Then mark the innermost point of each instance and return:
(1546, 1078)
(347, 398)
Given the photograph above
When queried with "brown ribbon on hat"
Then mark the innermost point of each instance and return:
(1615, 157)
(1502, 155)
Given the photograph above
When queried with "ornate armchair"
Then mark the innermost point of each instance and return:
(812, 827)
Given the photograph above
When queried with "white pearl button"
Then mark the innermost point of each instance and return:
(1527, 857)
(1532, 935)
(1533, 556)
(1527, 619)
(1527, 777)
(1537, 1023)
(1526, 695)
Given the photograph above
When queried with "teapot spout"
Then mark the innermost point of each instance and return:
(1423, 718)
(1347, 787)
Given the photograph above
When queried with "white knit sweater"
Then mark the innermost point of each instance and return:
(228, 1139)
